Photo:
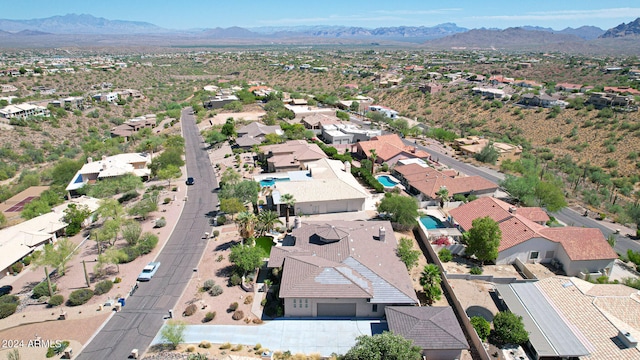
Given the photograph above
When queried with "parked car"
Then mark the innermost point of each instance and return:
(190, 181)
(148, 271)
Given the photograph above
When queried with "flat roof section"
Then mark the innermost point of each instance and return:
(549, 334)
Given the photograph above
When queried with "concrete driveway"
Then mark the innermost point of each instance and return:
(298, 336)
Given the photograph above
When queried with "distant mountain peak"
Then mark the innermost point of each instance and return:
(79, 24)
(623, 30)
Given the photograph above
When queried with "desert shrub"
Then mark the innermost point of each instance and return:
(482, 327)
(190, 310)
(216, 233)
(442, 241)
(257, 321)
(162, 222)
(221, 219)
(132, 253)
(7, 308)
(209, 316)
(42, 289)
(79, 297)
(129, 195)
(166, 200)
(476, 270)
(257, 347)
(208, 284)
(117, 280)
(235, 280)
(225, 346)
(147, 243)
(27, 260)
(216, 290)
(56, 300)
(204, 344)
(233, 306)
(248, 299)
(190, 349)
(237, 315)
(56, 349)
(263, 302)
(16, 268)
(103, 287)
(445, 255)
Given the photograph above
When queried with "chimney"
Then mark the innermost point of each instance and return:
(89, 159)
(512, 209)
(382, 234)
(347, 167)
(297, 222)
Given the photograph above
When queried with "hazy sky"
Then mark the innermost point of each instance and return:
(188, 14)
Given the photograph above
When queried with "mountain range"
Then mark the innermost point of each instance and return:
(86, 29)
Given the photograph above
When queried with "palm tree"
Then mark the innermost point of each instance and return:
(374, 157)
(246, 221)
(443, 195)
(430, 281)
(289, 201)
(267, 221)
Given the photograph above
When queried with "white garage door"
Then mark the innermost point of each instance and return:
(336, 310)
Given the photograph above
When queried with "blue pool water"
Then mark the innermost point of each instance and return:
(271, 181)
(431, 222)
(386, 181)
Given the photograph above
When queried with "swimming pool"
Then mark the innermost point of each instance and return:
(271, 181)
(431, 222)
(386, 181)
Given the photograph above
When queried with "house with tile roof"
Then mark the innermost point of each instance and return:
(132, 126)
(424, 182)
(389, 148)
(576, 249)
(291, 155)
(341, 269)
(109, 167)
(254, 134)
(435, 329)
(315, 122)
(326, 187)
(567, 317)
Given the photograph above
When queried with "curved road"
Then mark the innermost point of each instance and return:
(140, 320)
(566, 215)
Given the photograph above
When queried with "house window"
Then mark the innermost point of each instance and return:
(306, 303)
(549, 255)
(374, 308)
(534, 255)
(294, 303)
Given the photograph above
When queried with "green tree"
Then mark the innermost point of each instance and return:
(488, 154)
(230, 176)
(482, 327)
(443, 195)
(246, 258)
(228, 129)
(169, 172)
(484, 239)
(385, 346)
(172, 333)
(170, 156)
(246, 221)
(232, 206)
(3, 220)
(214, 137)
(114, 256)
(143, 208)
(355, 106)
(57, 255)
(267, 221)
(402, 209)
(406, 253)
(430, 281)
(508, 329)
(549, 195)
(131, 232)
(75, 216)
(289, 201)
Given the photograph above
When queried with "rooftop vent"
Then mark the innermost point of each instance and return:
(627, 339)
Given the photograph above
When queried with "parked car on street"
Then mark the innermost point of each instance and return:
(148, 271)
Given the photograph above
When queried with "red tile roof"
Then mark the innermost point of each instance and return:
(579, 243)
(429, 180)
(390, 146)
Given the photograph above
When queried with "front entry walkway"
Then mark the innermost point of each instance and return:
(306, 336)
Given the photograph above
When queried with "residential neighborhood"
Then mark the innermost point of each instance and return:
(279, 202)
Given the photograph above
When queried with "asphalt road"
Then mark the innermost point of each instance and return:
(566, 215)
(140, 320)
